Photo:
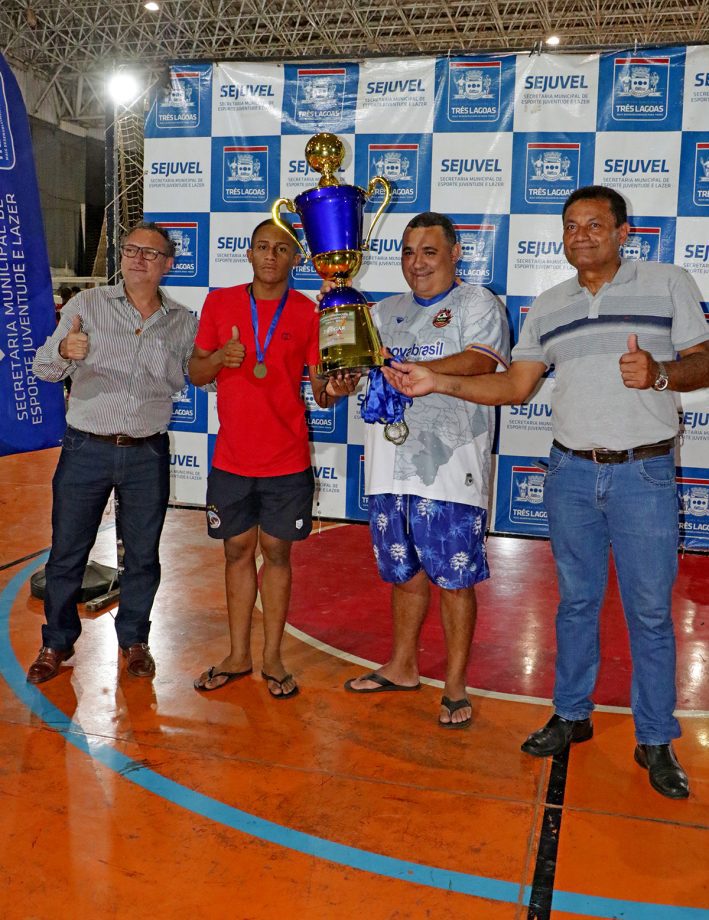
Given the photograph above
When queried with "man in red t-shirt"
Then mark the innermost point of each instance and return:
(254, 340)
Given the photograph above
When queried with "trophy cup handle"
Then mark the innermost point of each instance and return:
(286, 227)
(373, 183)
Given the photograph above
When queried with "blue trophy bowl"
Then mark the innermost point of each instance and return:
(332, 217)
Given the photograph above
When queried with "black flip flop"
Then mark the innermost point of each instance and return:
(385, 685)
(453, 706)
(281, 695)
(200, 684)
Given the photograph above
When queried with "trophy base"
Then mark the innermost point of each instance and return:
(349, 340)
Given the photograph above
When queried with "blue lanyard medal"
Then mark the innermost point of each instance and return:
(382, 403)
(260, 369)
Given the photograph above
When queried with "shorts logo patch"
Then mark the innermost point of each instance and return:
(213, 519)
(442, 318)
(299, 524)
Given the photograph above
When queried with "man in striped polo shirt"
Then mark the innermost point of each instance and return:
(612, 333)
(126, 349)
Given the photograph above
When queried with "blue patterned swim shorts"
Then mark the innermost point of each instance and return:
(445, 539)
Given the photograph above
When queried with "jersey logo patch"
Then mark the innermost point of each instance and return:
(442, 318)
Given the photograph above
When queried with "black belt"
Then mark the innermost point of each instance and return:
(603, 455)
(121, 440)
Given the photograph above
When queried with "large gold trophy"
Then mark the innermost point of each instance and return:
(332, 217)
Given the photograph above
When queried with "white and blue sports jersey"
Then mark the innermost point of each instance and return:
(447, 453)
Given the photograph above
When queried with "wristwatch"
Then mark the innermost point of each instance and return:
(662, 380)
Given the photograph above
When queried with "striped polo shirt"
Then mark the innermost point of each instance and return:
(583, 337)
(126, 382)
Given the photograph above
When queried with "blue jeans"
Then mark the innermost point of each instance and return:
(87, 472)
(632, 507)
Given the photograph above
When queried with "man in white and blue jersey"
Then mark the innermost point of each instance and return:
(126, 349)
(428, 496)
(622, 336)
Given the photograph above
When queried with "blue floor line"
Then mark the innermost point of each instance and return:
(317, 847)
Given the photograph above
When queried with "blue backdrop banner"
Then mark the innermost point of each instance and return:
(497, 142)
(31, 412)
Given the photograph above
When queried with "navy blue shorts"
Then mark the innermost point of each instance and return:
(282, 506)
(445, 539)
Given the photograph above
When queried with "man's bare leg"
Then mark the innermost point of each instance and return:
(241, 588)
(409, 606)
(458, 613)
(275, 597)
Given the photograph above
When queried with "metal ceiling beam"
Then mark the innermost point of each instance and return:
(74, 44)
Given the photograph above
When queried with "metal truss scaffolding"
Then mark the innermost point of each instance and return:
(71, 45)
(124, 178)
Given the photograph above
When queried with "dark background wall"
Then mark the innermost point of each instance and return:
(70, 173)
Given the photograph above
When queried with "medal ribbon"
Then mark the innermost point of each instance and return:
(382, 403)
(261, 352)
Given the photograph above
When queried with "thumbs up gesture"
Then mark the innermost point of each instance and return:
(75, 344)
(637, 367)
(233, 350)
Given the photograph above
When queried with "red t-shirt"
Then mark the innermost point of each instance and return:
(262, 429)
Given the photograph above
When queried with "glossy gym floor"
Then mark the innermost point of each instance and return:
(123, 797)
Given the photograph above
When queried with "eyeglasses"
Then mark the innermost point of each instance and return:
(147, 252)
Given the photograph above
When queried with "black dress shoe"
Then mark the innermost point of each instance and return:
(556, 735)
(666, 775)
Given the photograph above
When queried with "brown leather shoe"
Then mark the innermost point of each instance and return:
(46, 664)
(140, 662)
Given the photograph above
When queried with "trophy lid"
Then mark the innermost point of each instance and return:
(325, 153)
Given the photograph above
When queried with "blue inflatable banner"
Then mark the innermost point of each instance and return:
(31, 412)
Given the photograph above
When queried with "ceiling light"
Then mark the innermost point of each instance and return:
(553, 40)
(152, 6)
(123, 88)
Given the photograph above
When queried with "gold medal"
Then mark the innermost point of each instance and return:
(260, 370)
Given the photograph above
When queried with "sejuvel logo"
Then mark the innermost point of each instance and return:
(176, 168)
(394, 87)
(184, 460)
(540, 248)
(246, 91)
(233, 243)
(546, 83)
